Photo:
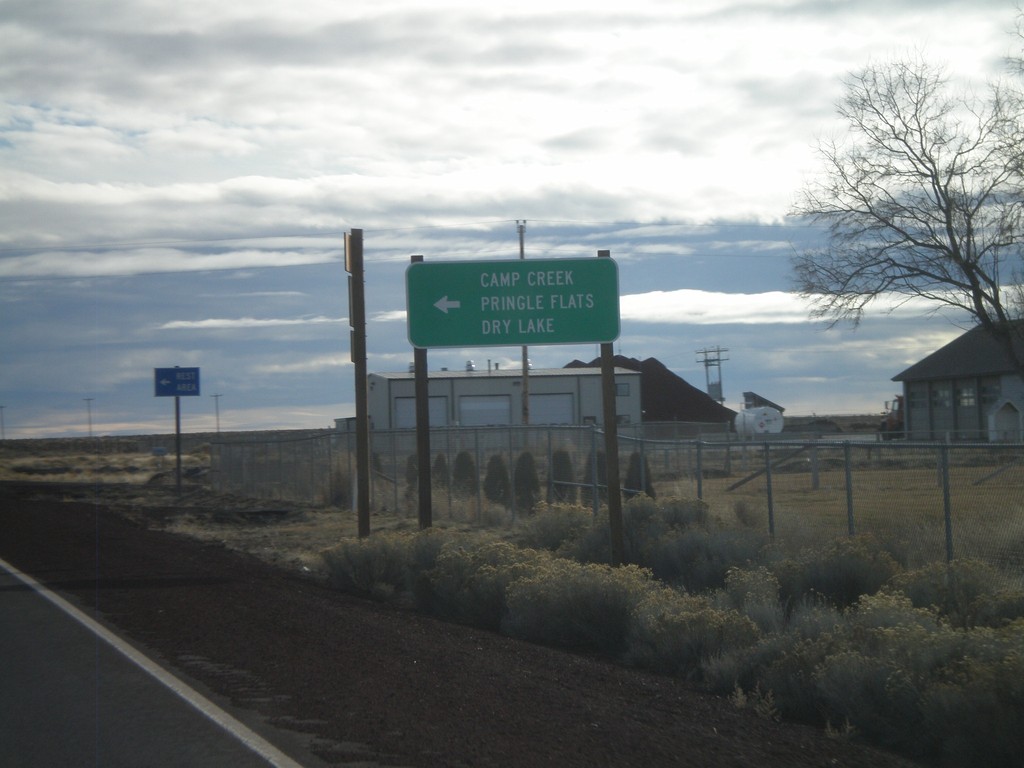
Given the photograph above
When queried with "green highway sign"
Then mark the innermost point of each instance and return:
(512, 302)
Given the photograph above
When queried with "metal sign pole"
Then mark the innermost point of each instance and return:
(611, 447)
(177, 439)
(357, 352)
(422, 386)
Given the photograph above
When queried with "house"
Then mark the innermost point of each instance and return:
(667, 397)
(473, 398)
(966, 390)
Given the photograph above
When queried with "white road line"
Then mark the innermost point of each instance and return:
(211, 711)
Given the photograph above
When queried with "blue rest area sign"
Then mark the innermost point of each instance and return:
(176, 382)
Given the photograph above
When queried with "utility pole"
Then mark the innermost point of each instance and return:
(3, 433)
(88, 412)
(357, 352)
(712, 359)
(521, 229)
(216, 409)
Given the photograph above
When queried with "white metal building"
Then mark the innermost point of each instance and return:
(494, 398)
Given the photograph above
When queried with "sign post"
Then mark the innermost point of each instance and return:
(177, 383)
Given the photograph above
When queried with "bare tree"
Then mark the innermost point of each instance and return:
(922, 199)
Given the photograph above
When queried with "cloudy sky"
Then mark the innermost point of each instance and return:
(176, 178)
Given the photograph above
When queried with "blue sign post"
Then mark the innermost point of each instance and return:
(177, 383)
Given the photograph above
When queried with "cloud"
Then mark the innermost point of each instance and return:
(311, 365)
(245, 322)
(152, 260)
(705, 308)
(175, 180)
(686, 306)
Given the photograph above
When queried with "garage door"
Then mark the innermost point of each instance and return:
(405, 412)
(551, 409)
(485, 410)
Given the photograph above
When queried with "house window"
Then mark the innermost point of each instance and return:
(622, 389)
(941, 395)
(965, 395)
(918, 396)
(991, 390)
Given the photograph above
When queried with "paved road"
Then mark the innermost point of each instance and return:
(69, 698)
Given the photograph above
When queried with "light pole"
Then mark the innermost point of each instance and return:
(216, 408)
(88, 411)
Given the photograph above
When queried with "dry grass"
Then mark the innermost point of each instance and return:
(902, 506)
(135, 468)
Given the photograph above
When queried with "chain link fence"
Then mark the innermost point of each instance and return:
(925, 501)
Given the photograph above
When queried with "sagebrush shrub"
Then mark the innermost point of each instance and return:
(676, 633)
(698, 559)
(966, 592)
(928, 662)
(554, 526)
(371, 566)
(576, 606)
(674, 539)
(840, 572)
(468, 583)
(755, 593)
(975, 716)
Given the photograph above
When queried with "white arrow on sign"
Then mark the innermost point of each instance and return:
(165, 382)
(444, 304)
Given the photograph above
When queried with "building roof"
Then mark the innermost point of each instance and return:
(975, 353)
(754, 400)
(664, 396)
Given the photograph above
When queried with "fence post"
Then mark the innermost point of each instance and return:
(550, 463)
(449, 461)
(768, 484)
(947, 507)
(849, 488)
(479, 470)
(815, 468)
(330, 468)
(313, 465)
(643, 462)
(511, 472)
(700, 471)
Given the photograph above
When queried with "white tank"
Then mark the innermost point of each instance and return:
(758, 421)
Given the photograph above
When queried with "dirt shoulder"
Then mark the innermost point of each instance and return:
(370, 683)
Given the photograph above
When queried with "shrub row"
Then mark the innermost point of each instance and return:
(499, 486)
(928, 662)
